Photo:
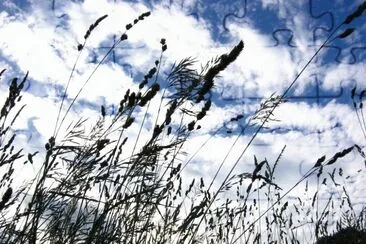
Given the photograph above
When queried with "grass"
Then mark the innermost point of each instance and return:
(90, 190)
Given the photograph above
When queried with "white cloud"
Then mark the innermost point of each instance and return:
(344, 74)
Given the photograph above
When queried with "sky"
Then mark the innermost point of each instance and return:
(279, 38)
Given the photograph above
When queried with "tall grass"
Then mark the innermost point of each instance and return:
(89, 191)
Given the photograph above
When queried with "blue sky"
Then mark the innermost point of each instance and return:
(280, 36)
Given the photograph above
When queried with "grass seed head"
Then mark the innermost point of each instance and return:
(93, 26)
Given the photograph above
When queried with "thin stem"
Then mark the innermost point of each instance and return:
(65, 92)
(260, 128)
(362, 125)
(308, 173)
(83, 86)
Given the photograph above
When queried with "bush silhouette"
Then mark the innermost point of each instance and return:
(347, 235)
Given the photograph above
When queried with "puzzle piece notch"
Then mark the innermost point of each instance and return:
(354, 54)
(321, 15)
(283, 39)
(235, 14)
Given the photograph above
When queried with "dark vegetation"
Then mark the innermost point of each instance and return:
(345, 235)
(85, 192)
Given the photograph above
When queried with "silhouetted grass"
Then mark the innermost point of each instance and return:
(88, 191)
